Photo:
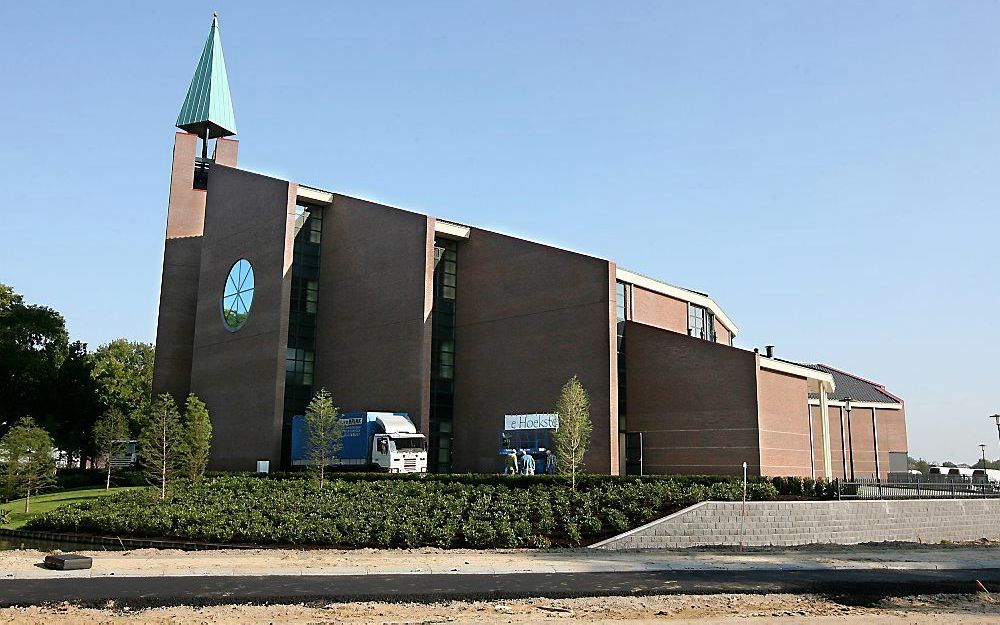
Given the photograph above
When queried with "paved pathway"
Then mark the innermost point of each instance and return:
(153, 563)
(159, 591)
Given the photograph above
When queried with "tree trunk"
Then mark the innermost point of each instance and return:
(27, 499)
(163, 472)
(107, 485)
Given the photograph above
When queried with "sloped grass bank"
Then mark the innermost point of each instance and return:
(12, 515)
(389, 513)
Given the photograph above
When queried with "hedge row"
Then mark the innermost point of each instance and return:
(790, 486)
(358, 512)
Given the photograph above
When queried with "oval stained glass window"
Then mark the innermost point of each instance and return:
(238, 295)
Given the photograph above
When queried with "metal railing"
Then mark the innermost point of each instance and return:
(917, 487)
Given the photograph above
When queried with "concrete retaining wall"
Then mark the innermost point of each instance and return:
(809, 522)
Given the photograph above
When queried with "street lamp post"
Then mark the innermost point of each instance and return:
(982, 448)
(996, 418)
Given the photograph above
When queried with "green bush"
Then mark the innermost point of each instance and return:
(4, 516)
(460, 511)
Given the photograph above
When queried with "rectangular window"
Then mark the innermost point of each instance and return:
(701, 322)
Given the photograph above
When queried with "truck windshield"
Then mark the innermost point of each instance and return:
(409, 444)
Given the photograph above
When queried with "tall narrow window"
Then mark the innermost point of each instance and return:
(701, 322)
(302, 309)
(623, 297)
(443, 356)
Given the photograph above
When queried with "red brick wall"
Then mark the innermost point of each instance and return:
(659, 311)
(891, 435)
(722, 335)
(528, 317)
(863, 442)
(694, 401)
(784, 424)
(181, 268)
(373, 326)
(241, 375)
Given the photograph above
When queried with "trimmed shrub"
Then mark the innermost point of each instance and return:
(463, 511)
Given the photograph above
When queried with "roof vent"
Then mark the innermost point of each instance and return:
(769, 351)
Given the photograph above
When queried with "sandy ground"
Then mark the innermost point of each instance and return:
(154, 562)
(728, 609)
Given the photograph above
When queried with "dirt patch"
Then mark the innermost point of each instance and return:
(730, 609)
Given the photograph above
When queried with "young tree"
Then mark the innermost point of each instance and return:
(27, 451)
(161, 442)
(571, 439)
(197, 437)
(324, 433)
(110, 435)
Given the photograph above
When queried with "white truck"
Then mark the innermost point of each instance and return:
(380, 441)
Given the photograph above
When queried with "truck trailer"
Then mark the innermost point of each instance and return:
(380, 441)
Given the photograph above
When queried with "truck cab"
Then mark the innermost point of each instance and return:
(396, 446)
(400, 453)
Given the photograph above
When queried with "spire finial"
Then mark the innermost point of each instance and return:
(208, 107)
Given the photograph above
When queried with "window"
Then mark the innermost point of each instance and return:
(299, 366)
(620, 301)
(443, 356)
(237, 297)
(701, 322)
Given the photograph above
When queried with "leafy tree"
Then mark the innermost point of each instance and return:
(73, 405)
(27, 451)
(123, 371)
(572, 438)
(42, 375)
(324, 433)
(989, 464)
(161, 442)
(110, 435)
(197, 438)
(920, 465)
(33, 345)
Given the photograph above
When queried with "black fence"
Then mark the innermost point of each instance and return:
(918, 487)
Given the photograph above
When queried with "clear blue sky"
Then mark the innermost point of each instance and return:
(829, 172)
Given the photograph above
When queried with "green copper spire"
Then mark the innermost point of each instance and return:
(208, 105)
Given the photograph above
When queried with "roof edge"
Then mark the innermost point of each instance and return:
(677, 292)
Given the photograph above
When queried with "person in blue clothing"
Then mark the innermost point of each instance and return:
(528, 464)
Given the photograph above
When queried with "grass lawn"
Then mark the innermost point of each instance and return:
(50, 501)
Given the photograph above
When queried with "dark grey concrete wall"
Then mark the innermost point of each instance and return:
(695, 402)
(240, 375)
(373, 336)
(529, 317)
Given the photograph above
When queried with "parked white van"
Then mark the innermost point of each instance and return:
(986, 475)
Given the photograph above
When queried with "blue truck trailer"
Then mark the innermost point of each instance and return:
(383, 441)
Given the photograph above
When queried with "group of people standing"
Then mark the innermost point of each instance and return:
(520, 462)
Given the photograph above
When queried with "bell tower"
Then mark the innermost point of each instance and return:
(206, 114)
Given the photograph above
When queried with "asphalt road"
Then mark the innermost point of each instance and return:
(160, 591)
